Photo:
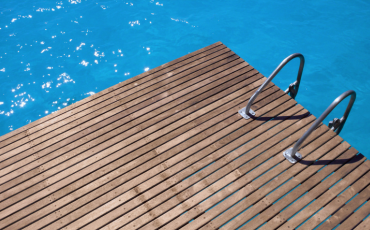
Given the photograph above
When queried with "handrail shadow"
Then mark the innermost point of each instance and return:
(354, 159)
(280, 117)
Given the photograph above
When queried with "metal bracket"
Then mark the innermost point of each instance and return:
(335, 123)
(292, 89)
(245, 115)
(290, 157)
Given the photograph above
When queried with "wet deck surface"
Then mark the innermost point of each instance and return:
(167, 149)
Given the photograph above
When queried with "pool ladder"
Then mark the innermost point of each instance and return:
(292, 154)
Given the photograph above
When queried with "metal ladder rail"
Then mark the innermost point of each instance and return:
(292, 89)
(336, 125)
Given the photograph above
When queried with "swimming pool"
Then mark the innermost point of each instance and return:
(55, 53)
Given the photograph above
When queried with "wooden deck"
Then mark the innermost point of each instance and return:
(167, 149)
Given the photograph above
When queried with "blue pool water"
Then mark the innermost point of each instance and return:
(54, 53)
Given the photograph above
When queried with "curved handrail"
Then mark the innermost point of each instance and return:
(293, 88)
(293, 151)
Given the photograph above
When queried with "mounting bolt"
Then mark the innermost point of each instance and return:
(290, 157)
(244, 115)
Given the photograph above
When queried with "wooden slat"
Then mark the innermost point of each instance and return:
(364, 225)
(330, 195)
(304, 187)
(356, 217)
(234, 195)
(286, 171)
(131, 183)
(259, 220)
(334, 205)
(344, 212)
(20, 133)
(178, 189)
(265, 156)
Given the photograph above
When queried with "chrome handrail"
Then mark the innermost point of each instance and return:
(292, 155)
(293, 88)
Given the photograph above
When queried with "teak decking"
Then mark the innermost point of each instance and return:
(167, 149)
